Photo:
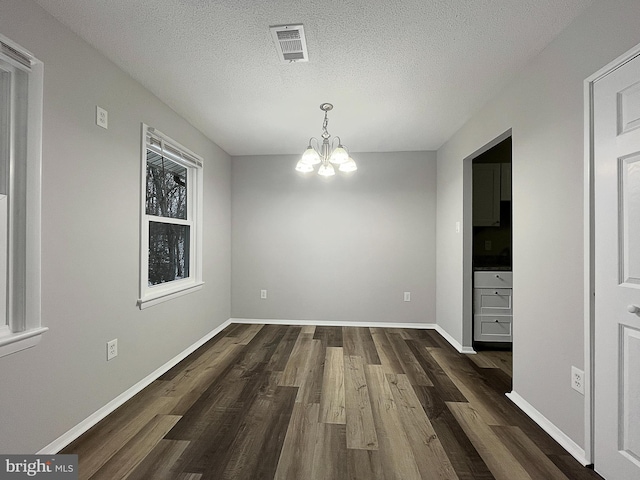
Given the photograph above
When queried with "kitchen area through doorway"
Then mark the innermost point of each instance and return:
(492, 249)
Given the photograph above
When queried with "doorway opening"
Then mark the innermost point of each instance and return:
(487, 257)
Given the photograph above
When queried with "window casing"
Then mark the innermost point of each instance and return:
(171, 219)
(21, 83)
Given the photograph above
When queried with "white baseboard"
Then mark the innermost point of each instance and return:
(558, 435)
(454, 343)
(332, 323)
(68, 437)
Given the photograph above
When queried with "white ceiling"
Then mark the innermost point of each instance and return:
(402, 74)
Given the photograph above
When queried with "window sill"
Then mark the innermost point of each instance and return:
(152, 300)
(15, 342)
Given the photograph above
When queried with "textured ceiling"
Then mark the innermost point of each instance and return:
(402, 74)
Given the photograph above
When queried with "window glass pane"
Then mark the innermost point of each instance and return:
(166, 187)
(168, 252)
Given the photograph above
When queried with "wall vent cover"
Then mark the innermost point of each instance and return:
(290, 43)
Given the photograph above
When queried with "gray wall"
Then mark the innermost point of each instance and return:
(544, 107)
(90, 238)
(339, 250)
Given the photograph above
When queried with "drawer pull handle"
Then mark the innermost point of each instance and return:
(497, 276)
(633, 309)
(496, 293)
(497, 321)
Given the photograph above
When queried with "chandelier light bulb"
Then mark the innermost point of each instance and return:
(304, 167)
(310, 156)
(348, 166)
(326, 170)
(339, 155)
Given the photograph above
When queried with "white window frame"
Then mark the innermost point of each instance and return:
(173, 151)
(23, 328)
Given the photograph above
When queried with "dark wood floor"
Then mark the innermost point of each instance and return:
(289, 402)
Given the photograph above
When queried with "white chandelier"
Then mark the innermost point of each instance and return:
(326, 155)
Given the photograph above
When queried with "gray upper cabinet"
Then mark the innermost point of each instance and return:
(491, 184)
(486, 194)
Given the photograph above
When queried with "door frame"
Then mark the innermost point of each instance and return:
(589, 247)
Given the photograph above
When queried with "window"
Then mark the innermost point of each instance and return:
(21, 77)
(171, 239)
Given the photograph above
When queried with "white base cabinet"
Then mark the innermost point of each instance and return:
(492, 306)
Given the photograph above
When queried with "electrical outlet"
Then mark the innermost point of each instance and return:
(407, 296)
(263, 294)
(487, 245)
(102, 117)
(577, 380)
(112, 349)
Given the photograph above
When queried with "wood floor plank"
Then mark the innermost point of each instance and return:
(200, 373)
(329, 336)
(244, 336)
(430, 456)
(398, 461)
(357, 341)
(386, 353)
(330, 453)
(502, 359)
(422, 336)
(122, 464)
(447, 390)
(102, 442)
(160, 463)
(463, 456)
(409, 363)
(279, 359)
(503, 465)
(364, 465)
(258, 444)
(533, 460)
(361, 430)
(310, 390)
(332, 407)
(299, 443)
(482, 360)
(474, 392)
(296, 366)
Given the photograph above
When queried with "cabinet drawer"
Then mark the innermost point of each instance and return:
(492, 301)
(493, 279)
(492, 328)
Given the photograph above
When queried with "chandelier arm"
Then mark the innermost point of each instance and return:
(317, 147)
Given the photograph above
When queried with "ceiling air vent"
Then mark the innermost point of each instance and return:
(290, 43)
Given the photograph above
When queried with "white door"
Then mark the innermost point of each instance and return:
(616, 107)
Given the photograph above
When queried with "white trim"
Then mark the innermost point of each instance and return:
(334, 323)
(558, 435)
(589, 277)
(68, 437)
(454, 343)
(150, 301)
(14, 342)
